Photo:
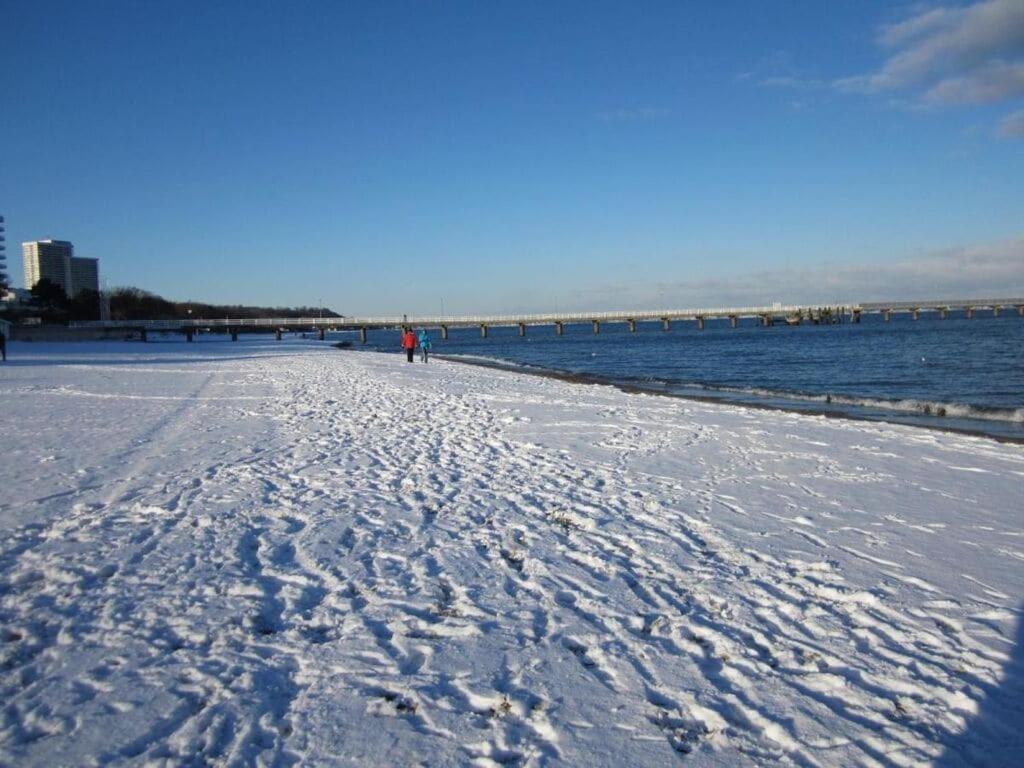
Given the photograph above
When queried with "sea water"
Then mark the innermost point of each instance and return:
(956, 373)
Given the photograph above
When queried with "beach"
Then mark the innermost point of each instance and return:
(284, 553)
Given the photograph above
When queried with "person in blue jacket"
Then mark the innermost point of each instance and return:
(424, 341)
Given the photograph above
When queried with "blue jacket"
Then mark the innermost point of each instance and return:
(424, 340)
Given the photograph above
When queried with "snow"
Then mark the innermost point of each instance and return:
(277, 553)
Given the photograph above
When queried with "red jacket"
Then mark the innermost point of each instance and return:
(408, 340)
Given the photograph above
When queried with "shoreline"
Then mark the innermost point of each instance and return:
(596, 380)
(592, 380)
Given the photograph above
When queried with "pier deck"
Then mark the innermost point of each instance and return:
(826, 313)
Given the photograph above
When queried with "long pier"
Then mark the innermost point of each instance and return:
(765, 315)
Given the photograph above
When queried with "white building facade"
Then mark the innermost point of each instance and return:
(55, 260)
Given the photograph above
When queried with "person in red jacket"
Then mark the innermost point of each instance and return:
(408, 343)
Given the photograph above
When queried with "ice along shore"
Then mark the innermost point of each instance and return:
(276, 554)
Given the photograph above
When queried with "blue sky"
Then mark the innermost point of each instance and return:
(400, 157)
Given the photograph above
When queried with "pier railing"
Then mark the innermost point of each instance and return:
(827, 313)
(387, 321)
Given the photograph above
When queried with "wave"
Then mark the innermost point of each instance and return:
(914, 406)
(908, 406)
(505, 362)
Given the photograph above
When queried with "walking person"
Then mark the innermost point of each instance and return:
(424, 342)
(409, 343)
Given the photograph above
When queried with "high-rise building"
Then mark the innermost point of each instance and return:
(85, 275)
(50, 260)
(3, 254)
(55, 260)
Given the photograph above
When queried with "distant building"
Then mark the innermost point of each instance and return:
(49, 260)
(3, 254)
(85, 275)
(55, 261)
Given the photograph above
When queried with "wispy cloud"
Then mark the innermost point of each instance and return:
(634, 115)
(796, 83)
(990, 270)
(998, 81)
(950, 56)
(1012, 126)
(780, 70)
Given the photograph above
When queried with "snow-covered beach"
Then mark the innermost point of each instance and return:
(279, 553)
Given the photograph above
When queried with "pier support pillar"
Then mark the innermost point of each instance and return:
(234, 334)
(596, 324)
(733, 321)
(483, 331)
(943, 313)
(522, 329)
(277, 334)
(362, 335)
(887, 315)
(559, 328)
(632, 325)
(666, 324)
(996, 310)
(969, 313)
(855, 316)
(444, 333)
(322, 334)
(700, 323)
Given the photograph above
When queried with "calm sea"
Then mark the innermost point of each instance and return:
(960, 373)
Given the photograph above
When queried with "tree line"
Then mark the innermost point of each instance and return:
(129, 303)
(53, 305)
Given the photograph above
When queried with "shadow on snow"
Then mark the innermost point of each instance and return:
(995, 735)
